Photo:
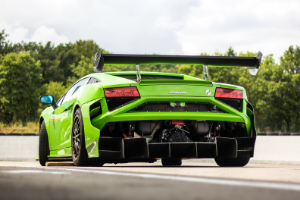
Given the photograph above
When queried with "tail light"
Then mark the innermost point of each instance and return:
(121, 92)
(228, 93)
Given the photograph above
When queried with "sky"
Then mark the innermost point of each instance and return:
(187, 27)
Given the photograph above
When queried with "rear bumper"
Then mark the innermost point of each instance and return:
(138, 148)
(94, 138)
(123, 114)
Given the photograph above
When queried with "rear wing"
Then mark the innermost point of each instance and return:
(253, 63)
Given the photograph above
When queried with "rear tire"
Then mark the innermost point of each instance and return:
(171, 162)
(43, 145)
(239, 161)
(79, 153)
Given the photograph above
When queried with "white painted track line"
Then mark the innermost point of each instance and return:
(238, 183)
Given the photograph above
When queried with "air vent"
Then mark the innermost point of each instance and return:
(114, 103)
(250, 107)
(236, 104)
(95, 110)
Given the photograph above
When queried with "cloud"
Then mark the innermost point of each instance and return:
(18, 34)
(164, 27)
(267, 26)
(44, 34)
(118, 26)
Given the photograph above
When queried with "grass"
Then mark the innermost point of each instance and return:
(31, 127)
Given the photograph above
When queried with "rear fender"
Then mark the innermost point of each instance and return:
(91, 133)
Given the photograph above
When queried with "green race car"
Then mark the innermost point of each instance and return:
(120, 117)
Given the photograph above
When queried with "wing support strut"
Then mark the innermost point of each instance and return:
(205, 71)
(138, 73)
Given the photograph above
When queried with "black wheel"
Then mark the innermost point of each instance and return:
(43, 145)
(79, 153)
(239, 161)
(171, 162)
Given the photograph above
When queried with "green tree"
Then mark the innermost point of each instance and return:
(20, 79)
(57, 89)
(83, 68)
(290, 61)
(66, 56)
(114, 68)
(55, 60)
(230, 52)
(86, 48)
(49, 62)
(277, 95)
(5, 46)
(191, 70)
(283, 96)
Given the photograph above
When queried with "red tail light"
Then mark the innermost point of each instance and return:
(228, 93)
(121, 92)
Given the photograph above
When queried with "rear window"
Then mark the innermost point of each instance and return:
(150, 77)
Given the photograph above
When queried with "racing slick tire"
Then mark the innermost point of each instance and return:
(239, 161)
(79, 153)
(43, 145)
(171, 162)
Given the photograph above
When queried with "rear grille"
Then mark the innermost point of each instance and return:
(237, 104)
(166, 107)
(115, 103)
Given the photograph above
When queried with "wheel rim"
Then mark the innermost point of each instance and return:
(76, 140)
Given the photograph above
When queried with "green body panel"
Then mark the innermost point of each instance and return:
(122, 115)
(65, 152)
(59, 122)
(177, 116)
(91, 133)
(60, 127)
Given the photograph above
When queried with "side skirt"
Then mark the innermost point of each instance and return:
(66, 152)
(69, 158)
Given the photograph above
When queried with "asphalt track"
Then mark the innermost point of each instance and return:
(194, 180)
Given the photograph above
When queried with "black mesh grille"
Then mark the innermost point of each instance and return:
(115, 103)
(237, 104)
(166, 107)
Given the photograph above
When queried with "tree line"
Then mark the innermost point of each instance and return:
(30, 69)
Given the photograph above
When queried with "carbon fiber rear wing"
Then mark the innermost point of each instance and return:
(252, 63)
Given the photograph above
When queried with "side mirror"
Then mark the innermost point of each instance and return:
(48, 99)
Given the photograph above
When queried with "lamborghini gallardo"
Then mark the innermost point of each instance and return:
(138, 116)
